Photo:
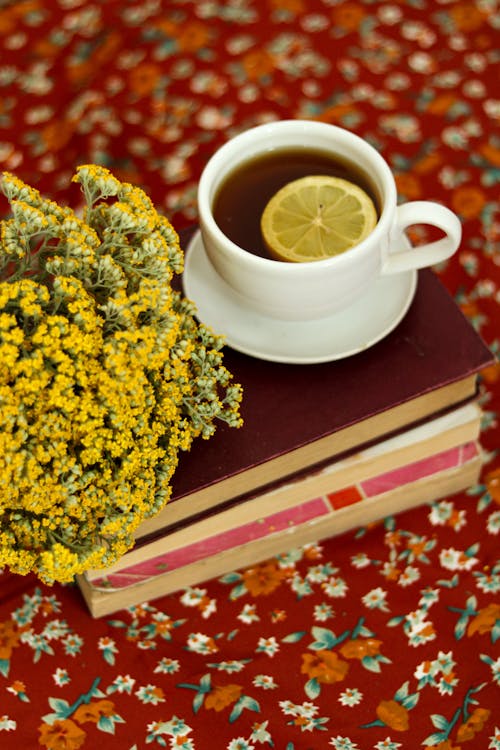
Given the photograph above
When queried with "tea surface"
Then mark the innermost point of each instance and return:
(243, 195)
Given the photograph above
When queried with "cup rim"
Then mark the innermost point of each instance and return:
(235, 145)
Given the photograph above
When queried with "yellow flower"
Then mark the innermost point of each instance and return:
(105, 375)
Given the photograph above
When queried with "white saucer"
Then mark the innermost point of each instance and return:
(340, 335)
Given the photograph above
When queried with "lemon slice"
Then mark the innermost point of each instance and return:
(316, 217)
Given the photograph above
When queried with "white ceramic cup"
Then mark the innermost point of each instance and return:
(310, 290)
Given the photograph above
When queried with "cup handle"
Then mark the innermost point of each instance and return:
(421, 212)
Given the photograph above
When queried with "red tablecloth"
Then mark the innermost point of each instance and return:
(400, 625)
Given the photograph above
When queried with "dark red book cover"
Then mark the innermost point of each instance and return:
(288, 406)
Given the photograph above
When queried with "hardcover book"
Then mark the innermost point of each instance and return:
(420, 444)
(310, 521)
(298, 416)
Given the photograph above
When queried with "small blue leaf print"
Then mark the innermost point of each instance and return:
(325, 639)
(402, 693)
(108, 656)
(440, 722)
(435, 739)
(4, 667)
(198, 702)
(495, 632)
(411, 701)
(294, 637)
(106, 724)
(312, 688)
(370, 663)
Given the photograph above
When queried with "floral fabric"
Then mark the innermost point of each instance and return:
(387, 637)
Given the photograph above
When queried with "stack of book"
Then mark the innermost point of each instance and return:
(324, 448)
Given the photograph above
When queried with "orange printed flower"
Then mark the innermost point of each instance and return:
(348, 16)
(446, 745)
(144, 78)
(193, 36)
(222, 696)
(336, 112)
(427, 163)
(469, 308)
(9, 18)
(491, 374)
(324, 666)
(93, 711)
(292, 6)
(278, 615)
(408, 185)
(9, 638)
(468, 201)
(258, 63)
(189, 37)
(391, 572)
(473, 725)
(17, 687)
(492, 480)
(427, 631)
(61, 735)
(82, 71)
(484, 620)
(56, 135)
(467, 16)
(417, 547)
(263, 579)
(312, 552)
(393, 538)
(441, 104)
(360, 647)
(394, 715)
(491, 154)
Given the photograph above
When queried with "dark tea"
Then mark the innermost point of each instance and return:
(245, 192)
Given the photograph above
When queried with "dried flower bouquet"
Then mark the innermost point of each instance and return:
(105, 375)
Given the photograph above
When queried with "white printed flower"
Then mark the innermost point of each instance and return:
(323, 612)
(453, 559)
(420, 630)
(447, 684)
(260, 733)
(122, 684)
(307, 710)
(387, 744)
(269, 646)
(201, 643)
(61, 677)
(495, 740)
(335, 587)
(319, 573)
(409, 575)
(429, 597)
(343, 743)
(376, 599)
(240, 743)
(492, 108)
(421, 62)
(488, 582)
(167, 666)
(440, 513)
(192, 597)
(445, 662)
(494, 523)
(150, 694)
(350, 697)
(390, 14)
(7, 724)
(361, 560)
(264, 681)
(248, 614)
